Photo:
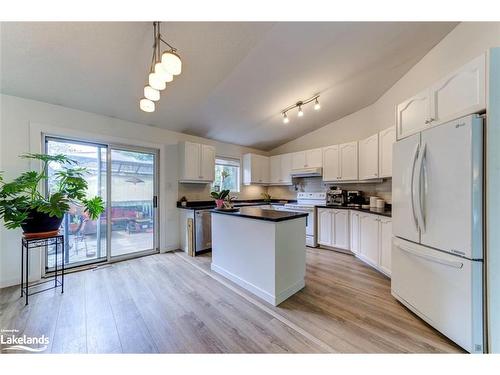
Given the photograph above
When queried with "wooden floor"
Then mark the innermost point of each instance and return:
(170, 303)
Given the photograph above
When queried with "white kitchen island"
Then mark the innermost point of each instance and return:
(263, 251)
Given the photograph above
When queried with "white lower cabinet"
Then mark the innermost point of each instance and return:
(354, 231)
(333, 228)
(385, 244)
(341, 229)
(325, 226)
(369, 238)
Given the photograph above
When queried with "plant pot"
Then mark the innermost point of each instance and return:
(39, 222)
(219, 203)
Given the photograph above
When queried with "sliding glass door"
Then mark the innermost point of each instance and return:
(133, 220)
(126, 179)
(85, 239)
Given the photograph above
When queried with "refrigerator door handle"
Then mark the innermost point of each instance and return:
(448, 263)
(412, 191)
(420, 211)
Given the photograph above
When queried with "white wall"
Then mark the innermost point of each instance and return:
(462, 44)
(21, 122)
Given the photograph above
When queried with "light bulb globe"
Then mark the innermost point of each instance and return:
(156, 82)
(151, 94)
(162, 73)
(171, 62)
(147, 105)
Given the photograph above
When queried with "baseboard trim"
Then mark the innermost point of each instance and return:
(266, 296)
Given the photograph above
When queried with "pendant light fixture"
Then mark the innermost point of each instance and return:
(299, 105)
(151, 93)
(171, 62)
(162, 69)
(147, 105)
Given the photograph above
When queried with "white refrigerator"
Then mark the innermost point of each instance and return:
(437, 252)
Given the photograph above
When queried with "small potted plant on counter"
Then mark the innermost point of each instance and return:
(266, 197)
(219, 197)
(183, 201)
(22, 205)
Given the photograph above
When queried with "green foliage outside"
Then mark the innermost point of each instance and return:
(226, 178)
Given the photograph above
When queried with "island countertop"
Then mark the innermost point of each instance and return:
(263, 214)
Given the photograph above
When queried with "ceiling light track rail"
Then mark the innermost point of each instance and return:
(299, 105)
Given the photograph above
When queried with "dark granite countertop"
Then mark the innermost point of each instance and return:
(206, 205)
(263, 214)
(377, 211)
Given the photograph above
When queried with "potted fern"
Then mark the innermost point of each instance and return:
(22, 205)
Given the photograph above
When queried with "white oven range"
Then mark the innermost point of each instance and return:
(306, 202)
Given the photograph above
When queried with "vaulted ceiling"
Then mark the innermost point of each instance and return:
(236, 79)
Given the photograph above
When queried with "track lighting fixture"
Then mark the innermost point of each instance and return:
(299, 105)
(301, 112)
(162, 69)
(317, 106)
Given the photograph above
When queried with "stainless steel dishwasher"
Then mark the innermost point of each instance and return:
(202, 230)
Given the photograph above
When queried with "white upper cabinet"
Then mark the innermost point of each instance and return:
(385, 243)
(386, 139)
(348, 161)
(413, 114)
(368, 158)
(307, 159)
(280, 168)
(314, 158)
(299, 160)
(275, 169)
(197, 163)
(286, 169)
(340, 162)
(207, 162)
(461, 93)
(331, 163)
(255, 169)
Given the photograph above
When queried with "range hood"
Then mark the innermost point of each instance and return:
(307, 172)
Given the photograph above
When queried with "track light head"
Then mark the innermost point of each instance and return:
(286, 120)
(317, 106)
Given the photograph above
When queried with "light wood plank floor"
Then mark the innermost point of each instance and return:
(170, 303)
